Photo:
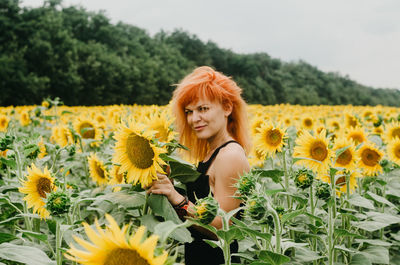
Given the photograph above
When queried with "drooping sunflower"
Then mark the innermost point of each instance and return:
(314, 149)
(136, 154)
(115, 246)
(392, 132)
(350, 120)
(357, 134)
(97, 170)
(36, 186)
(42, 149)
(347, 159)
(393, 151)
(270, 139)
(4, 120)
(88, 129)
(369, 156)
(61, 135)
(117, 177)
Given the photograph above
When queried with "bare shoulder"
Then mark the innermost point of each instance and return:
(232, 158)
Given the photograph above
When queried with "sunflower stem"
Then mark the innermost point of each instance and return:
(58, 243)
(312, 207)
(278, 231)
(331, 221)
(146, 204)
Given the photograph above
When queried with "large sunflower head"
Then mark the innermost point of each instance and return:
(137, 155)
(270, 139)
(392, 132)
(97, 170)
(370, 157)
(36, 187)
(313, 151)
(4, 120)
(115, 246)
(393, 151)
(346, 158)
(62, 135)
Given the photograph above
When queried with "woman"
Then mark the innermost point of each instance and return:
(211, 120)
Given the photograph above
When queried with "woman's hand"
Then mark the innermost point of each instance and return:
(165, 187)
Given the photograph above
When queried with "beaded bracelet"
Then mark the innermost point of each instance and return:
(181, 208)
(182, 203)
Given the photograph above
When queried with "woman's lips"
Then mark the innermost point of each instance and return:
(199, 128)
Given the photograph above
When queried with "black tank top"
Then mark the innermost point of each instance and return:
(199, 252)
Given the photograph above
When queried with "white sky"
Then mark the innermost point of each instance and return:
(358, 38)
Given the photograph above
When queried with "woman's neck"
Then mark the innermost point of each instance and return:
(218, 140)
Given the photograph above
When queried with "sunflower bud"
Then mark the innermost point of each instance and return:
(246, 184)
(206, 209)
(255, 207)
(303, 179)
(323, 190)
(58, 203)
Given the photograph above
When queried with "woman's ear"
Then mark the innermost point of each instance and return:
(228, 109)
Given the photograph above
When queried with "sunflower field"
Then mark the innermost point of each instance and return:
(324, 186)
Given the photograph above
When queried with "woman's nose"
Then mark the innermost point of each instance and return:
(196, 116)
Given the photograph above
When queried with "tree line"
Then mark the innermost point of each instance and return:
(81, 57)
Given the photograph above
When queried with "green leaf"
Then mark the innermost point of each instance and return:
(380, 199)
(273, 258)
(24, 254)
(305, 255)
(288, 216)
(161, 206)
(369, 226)
(383, 217)
(170, 229)
(5, 237)
(181, 170)
(374, 242)
(377, 254)
(360, 201)
(274, 174)
(121, 198)
(230, 235)
(212, 243)
(360, 259)
(8, 162)
(40, 236)
(343, 232)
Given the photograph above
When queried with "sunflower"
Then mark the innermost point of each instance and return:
(88, 129)
(61, 135)
(24, 118)
(347, 159)
(370, 156)
(256, 123)
(269, 139)
(42, 149)
(117, 177)
(314, 151)
(97, 170)
(307, 122)
(357, 134)
(341, 184)
(162, 125)
(392, 132)
(393, 151)
(256, 158)
(136, 154)
(350, 120)
(115, 246)
(4, 120)
(37, 185)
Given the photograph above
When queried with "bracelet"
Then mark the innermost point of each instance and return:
(184, 202)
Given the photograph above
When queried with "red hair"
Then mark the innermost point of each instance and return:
(206, 83)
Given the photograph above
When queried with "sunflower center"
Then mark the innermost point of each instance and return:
(352, 122)
(341, 181)
(139, 151)
(87, 130)
(357, 138)
(274, 137)
(43, 186)
(123, 256)
(3, 122)
(345, 158)
(396, 133)
(308, 122)
(119, 176)
(99, 171)
(370, 157)
(319, 151)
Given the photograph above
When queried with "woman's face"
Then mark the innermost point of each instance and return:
(207, 118)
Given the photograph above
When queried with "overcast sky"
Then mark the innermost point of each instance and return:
(358, 38)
